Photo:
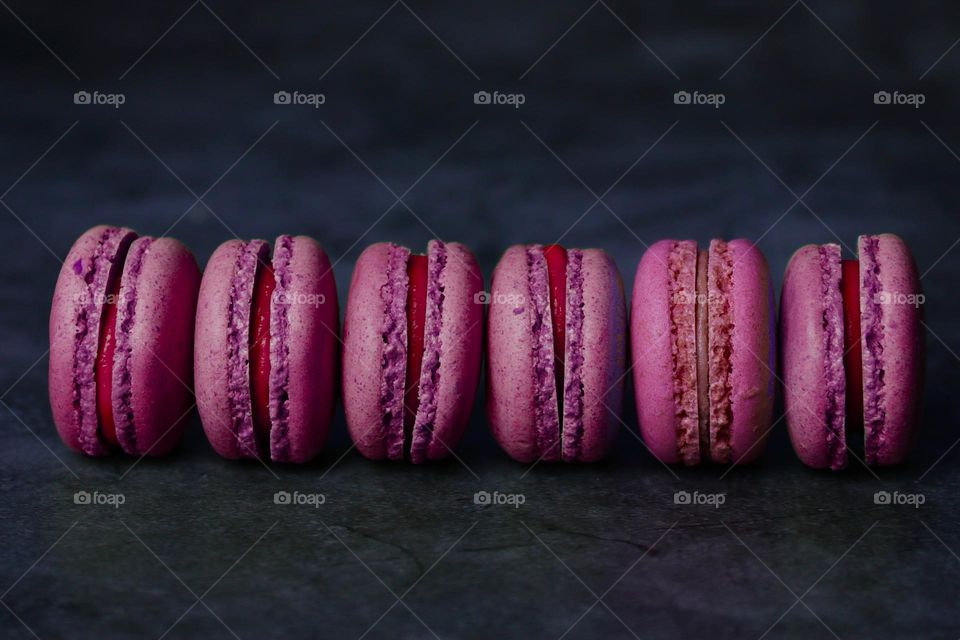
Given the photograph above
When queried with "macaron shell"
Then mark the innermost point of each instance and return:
(803, 353)
(363, 351)
(312, 340)
(211, 358)
(510, 371)
(902, 354)
(161, 335)
(753, 352)
(604, 353)
(70, 296)
(461, 340)
(652, 345)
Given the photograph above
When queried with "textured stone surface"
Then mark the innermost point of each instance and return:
(599, 99)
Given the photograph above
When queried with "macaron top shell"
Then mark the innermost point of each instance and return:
(153, 370)
(304, 341)
(375, 351)
(811, 334)
(892, 347)
(152, 373)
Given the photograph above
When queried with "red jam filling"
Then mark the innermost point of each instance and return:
(556, 257)
(103, 372)
(852, 359)
(263, 287)
(416, 317)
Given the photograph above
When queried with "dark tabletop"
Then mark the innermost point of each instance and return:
(598, 154)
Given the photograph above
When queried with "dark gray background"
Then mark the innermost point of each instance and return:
(799, 113)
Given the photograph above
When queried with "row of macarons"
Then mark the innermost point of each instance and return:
(138, 337)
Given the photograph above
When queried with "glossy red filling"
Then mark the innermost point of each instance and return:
(103, 372)
(263, 287)
(556, 257)
(416, 317)
(852, 358)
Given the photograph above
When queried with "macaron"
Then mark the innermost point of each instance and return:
(412, 348)
(121, 343)
(852, 351)
(266, 349)
(556, 353)
(702, 338)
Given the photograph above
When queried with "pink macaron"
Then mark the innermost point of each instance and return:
(556, 353)
(852, 351)
(412, 349)
(702, 337)
(266, 349)
(121, 343)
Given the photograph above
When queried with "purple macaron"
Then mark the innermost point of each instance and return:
(412, 350)
(266, 349)
(121, 343)
(852, 351)
(556, 353)
(702, 337)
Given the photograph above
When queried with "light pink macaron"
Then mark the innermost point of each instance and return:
(702, 337)
(412, 350)
(852, 351)
(556, 353)
(121, 343)
(266, 349)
